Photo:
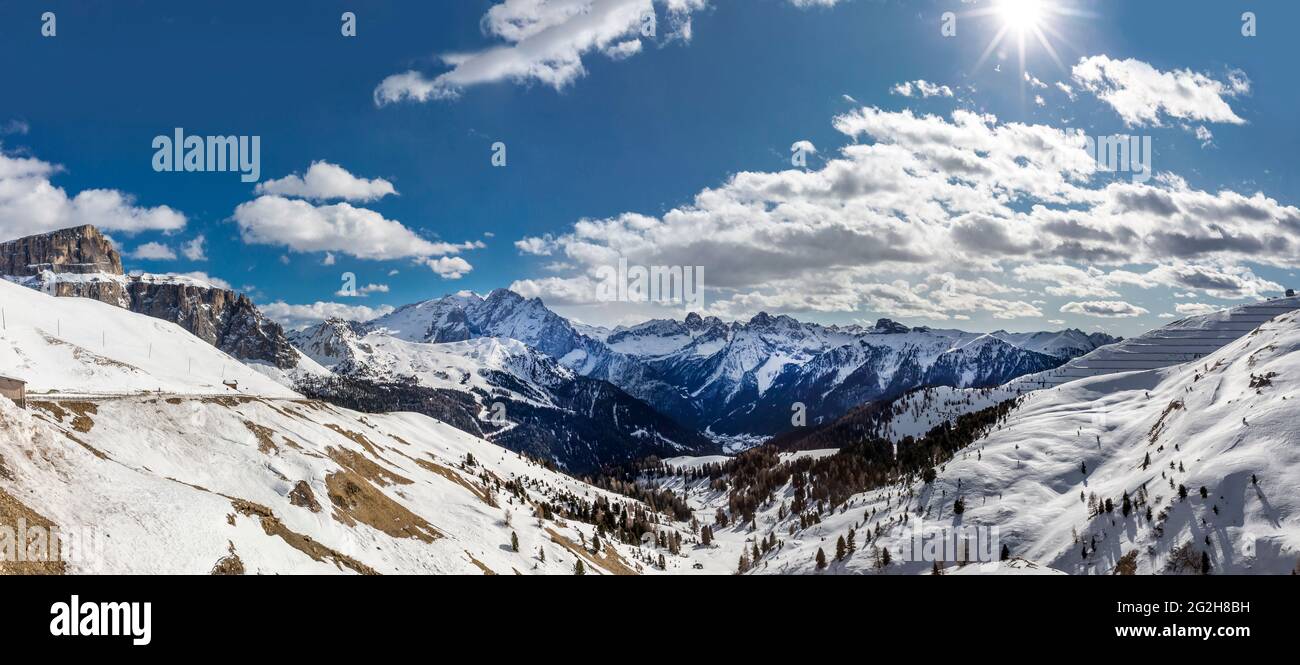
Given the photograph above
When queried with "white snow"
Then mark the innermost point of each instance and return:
(79, 345)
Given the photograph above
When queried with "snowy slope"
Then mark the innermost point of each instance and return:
(1219, 423)
(197, 480)
(80, 345)
(180, 485)
(1182, 341)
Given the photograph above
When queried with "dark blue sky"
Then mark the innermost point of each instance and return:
(643, 135)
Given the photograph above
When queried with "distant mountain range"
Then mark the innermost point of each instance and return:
(737, 382)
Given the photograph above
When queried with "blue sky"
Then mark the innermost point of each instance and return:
(645, 134)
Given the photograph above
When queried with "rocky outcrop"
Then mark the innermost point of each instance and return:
(80, 262)
(80, 250)
(72, 263)
(222, 318)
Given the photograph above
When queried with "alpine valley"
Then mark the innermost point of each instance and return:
(488, 434)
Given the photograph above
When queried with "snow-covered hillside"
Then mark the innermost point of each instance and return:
(1182, 341)
(200, 478)
(1222, 428)
(78, 345)
(196, 485)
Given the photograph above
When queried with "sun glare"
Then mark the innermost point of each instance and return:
(1027, 24)
(1021, 15)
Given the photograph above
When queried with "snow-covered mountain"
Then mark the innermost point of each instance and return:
(740, 380)
(1161, 471)
(499, 388)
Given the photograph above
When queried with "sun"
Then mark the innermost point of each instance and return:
(1021, 15)
(1027, 22)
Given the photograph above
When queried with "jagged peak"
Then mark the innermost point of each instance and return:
(889, 326)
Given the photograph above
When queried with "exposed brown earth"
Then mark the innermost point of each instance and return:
(318, 552)
(12, 510)
(356, 500)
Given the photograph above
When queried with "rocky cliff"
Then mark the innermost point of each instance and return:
(81, 262)
(79, 250)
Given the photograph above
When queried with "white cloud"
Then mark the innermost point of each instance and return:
(547, 41)
(1143, 95)
(363, 291)
(329, 259)
(1205, 136)
(920, 195)
(921, 87)
(193, 250)
(1069, 92)
(1034, 82)
(449, 267)
(1104, 309)
(201, 277)
(543, 246)
(544, 42)
(30, 204)
(339, 227)
(325, 181)
(154, 251)
(1196, 308)
(299, 316)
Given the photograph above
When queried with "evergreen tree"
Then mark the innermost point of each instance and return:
(514, 541)
(1204, 492)
(841, 548)
(821, 559)
(1006, 552)
(1127, 506)
(578, 568)
(1182, 492)
(958, 507)
(1205, 563)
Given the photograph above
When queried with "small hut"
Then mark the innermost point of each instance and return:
(14, 389)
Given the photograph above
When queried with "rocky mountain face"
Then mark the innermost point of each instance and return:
(80, 262)
(744, 378)
(495, 387)
(82, 256)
